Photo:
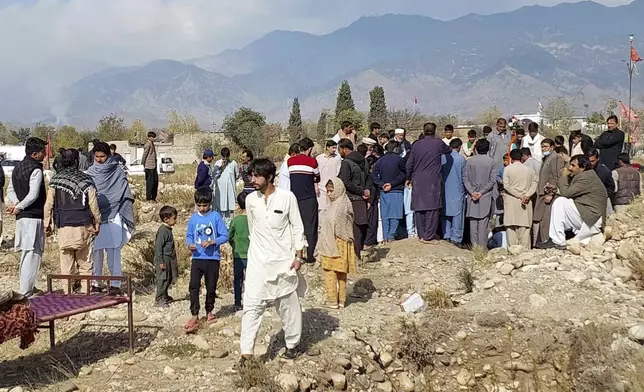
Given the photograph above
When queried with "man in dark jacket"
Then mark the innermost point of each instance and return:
(610, 143)
(604, 175)
(353, 174)
(389, 179)
(26, 194)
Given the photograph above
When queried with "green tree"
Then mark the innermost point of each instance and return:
(111, 127)
(21, 134)
(322, 127)
(43, 131)
(138, 131)
(7, 135)
(344, 101)
(295, 130)
(378, 106)
(67, 137)
(610, 106)
(489, 116)
(407, 119)
(356, 118)
(559, 112)
(596, 118)
(247, 129)
(178, 124)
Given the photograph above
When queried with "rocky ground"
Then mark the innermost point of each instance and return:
(503, 321)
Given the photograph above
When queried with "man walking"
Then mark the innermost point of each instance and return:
(304, 174)
(149, 161)
(479, 180)
(454, 205)
(519, 184)
(27, 195)
(423, 171)
(274, 257)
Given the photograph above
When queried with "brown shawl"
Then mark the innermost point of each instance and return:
(337, 221)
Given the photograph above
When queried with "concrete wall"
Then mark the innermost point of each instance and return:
(182, 150)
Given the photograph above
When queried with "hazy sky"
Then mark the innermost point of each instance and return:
(36, 32)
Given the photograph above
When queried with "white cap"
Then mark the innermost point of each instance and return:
(399, 131)
(368, 141)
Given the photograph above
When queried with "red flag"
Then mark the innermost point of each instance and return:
(633, 119)
(635, 57)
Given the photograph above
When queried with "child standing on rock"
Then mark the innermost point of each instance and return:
(165, 256)
(238, 235)
(336, 244)
(206, 233)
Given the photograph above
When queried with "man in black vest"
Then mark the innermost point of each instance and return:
(72, 199)
(26, 194)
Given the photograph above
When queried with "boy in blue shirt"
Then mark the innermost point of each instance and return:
(206, 232)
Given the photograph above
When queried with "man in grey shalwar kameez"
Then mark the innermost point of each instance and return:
(479, 179)
(27, 196)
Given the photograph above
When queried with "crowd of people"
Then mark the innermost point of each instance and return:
(505, 187)
(508, 186)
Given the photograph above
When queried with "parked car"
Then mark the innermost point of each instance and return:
(8, 165)
(164, 166)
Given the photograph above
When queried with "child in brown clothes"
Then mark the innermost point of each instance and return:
(336, 244)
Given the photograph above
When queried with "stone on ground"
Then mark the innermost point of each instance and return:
(201, 343)
(288, 382)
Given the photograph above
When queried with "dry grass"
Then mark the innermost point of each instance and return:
(418, 339)
(437, 299)
(479, 254)
(467, 279)
(179, 198)
(492, 320)
(598, 361)
(179, 350)
(256, 374)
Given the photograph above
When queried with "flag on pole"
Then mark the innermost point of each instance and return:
(633, 119)
(635, 57)
(540, 107)
(415, 100)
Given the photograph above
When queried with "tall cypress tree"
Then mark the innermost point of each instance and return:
(378, 106)
(322, 124)
(295, 130)
(344, 101)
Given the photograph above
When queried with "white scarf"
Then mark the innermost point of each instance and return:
(534, 145)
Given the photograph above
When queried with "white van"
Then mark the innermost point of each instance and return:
(164, 166)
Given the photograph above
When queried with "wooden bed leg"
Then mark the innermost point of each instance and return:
(130, 316)
(52, 336)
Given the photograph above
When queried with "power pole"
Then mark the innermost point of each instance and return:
(631, 68)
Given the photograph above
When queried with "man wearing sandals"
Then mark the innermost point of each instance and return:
(274, 257)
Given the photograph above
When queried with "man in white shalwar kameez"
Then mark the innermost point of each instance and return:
(274, 259)
(26, 195)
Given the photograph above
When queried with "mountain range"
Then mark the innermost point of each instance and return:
(513, 60)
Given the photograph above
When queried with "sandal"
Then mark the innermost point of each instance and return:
(191, 326)
(211, 319)
(341, 305)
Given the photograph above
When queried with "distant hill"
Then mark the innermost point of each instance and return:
(460, 67)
